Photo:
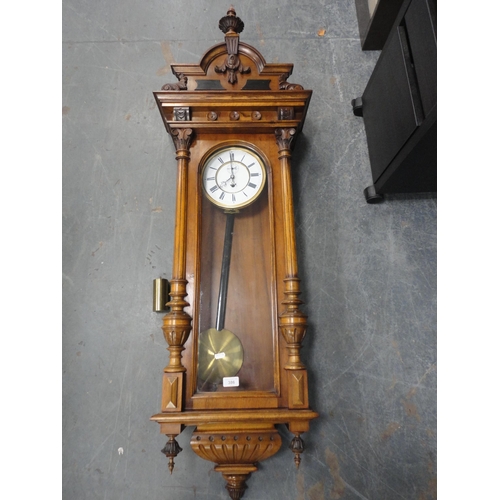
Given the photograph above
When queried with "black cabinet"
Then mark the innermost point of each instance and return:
(375, 20)
(399, 106)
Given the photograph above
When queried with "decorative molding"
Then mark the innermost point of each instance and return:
(182, 114)
(172, 391)
(236, 448)
(284, 85)
(298, 388)
(182, 85)
(286, 113)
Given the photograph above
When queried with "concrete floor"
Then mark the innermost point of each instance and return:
(368, 271)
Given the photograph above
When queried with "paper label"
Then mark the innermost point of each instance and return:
(231, 381)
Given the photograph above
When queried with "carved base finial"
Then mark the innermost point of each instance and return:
(297, 446)
(236, 485)
(236, 476)
(171, 450)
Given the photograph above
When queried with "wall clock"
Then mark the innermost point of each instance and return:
(234, 326)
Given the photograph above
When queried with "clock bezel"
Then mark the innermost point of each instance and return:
(239, 145)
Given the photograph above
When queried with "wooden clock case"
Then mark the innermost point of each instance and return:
(233, 97)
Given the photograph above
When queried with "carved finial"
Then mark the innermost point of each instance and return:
(171, 450)
(231, 26)
(231, 23)
(297, 446)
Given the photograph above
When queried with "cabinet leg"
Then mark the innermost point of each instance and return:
(357, 106)
(372, 196)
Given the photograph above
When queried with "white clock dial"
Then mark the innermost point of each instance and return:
(233, 177)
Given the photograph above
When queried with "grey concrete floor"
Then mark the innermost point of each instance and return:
(368, 271)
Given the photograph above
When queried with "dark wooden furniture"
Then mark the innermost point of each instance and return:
(375, 20)
(234, 293)
(399, 106)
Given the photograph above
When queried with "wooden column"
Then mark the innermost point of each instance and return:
(292, 322)
(177, 323)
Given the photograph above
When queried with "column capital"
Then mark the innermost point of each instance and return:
(182, 138)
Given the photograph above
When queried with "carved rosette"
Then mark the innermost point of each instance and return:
(182, 85)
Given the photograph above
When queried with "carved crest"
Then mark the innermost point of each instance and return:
(231, 25)
(232, 65)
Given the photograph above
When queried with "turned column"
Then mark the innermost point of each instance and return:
(292, 321)
(177, 322)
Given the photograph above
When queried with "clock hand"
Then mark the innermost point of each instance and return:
(232, 173)
(231, 178)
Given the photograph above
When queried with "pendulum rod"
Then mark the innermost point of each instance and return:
(224, 275)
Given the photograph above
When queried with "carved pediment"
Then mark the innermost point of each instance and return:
(232, 65)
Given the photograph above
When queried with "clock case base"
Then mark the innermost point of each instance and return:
(236, 441)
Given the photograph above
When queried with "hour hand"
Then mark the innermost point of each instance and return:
(232, 183)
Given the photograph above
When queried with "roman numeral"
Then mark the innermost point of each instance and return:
(242, 158)
(214, 188)
(231, 155)
(233, 198)
(210, 178)
(221, 197)
(252, 185)
(220, 159)
(254, 175)
(251, 165)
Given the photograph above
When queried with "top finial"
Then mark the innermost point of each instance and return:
(230, 23)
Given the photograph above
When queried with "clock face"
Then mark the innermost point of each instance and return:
(233, 177)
